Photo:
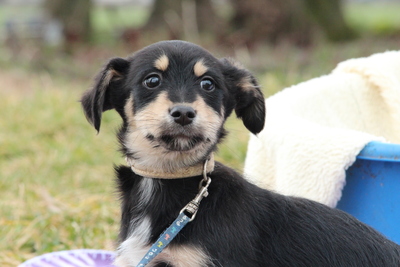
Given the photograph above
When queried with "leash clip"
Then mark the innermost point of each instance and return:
(193, 206)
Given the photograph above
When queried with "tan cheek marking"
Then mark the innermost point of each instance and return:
(158, 107)
(145, 121)
(154, 112)
(162, 63)
(199, 68)
(209, 115)
(128, 109)
(222, 112)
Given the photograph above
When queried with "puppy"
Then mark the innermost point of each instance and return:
(174, 98)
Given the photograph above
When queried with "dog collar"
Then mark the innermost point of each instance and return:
(191, 171)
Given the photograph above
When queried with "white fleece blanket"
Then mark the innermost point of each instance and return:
(315, 129)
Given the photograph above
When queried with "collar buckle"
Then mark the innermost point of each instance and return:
(192, 207)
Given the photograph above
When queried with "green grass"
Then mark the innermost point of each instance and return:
(379, 18)
(56, 174)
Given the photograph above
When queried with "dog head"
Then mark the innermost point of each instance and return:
(174, 98)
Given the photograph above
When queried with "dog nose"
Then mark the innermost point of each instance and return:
(183, 115)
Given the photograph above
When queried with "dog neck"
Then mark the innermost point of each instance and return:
(184, 172)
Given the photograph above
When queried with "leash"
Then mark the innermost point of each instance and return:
(180, 222)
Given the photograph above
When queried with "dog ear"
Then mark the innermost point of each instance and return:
(97, 99)
(250, 102)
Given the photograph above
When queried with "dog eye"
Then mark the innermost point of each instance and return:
(152, 81)
(207, 84)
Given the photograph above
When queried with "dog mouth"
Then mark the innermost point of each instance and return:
(180, 142)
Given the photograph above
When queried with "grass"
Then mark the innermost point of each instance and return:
(380, 18)
(56, 186)
(56, 177)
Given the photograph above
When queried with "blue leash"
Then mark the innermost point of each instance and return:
(170, 233)
(165, 239)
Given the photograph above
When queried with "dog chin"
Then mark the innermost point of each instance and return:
(180, 143)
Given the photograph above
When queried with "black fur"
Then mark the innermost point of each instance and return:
(238, 224)
(103, 97)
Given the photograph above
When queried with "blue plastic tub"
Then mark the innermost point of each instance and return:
(372, 191)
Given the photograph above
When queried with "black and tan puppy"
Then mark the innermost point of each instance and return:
(174, 98)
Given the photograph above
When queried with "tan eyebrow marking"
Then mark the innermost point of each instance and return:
(162, 63)
(200, 68)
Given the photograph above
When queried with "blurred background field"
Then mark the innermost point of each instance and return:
(56, 174)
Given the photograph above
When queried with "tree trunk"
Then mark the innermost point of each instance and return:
(293, 20)
(182, 19)
(272, 21)
(207, 19)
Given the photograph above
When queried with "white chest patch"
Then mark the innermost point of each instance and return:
(133, 249)
(146, 189)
